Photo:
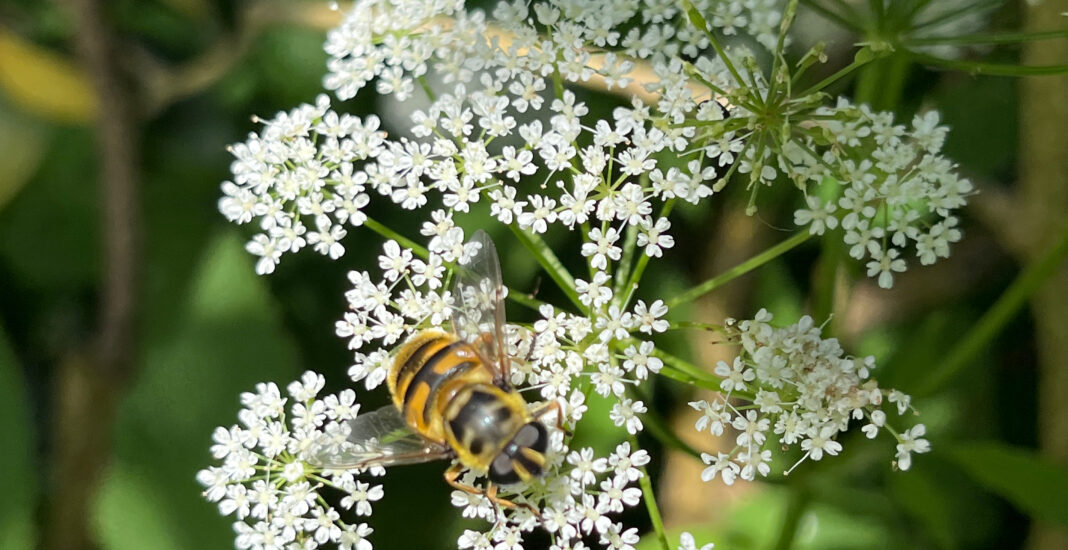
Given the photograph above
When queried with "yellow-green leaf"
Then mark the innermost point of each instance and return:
(23, 142)
(1030, 482)
(44, 82)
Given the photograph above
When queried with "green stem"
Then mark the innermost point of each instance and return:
(795, 509)
(650, 501)
(863, 56)
(658, 428)
(643, 258)
(992, 69)
(1004, 309)
(683, 371)
(550, 263)
(842, 20)
(677, 375)
(740, 269)
(986, 38)
(388, 233)
(788, 17)
(629, 247)
(417, 249)
(681, 325)
(426, 88)
(825, 281)
(698, 21)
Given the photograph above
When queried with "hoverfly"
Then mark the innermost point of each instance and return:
(452, 396)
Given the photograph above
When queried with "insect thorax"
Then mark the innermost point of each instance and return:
(480, 420)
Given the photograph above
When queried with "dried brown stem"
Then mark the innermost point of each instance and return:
(88, 387)
(1043, 203)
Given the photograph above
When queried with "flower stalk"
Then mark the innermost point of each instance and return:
(740, 269)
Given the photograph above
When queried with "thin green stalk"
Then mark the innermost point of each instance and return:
(658, 428)
(994, 320)
(784, 25)
(650, 502)
(964, 9)
(550, 263)
(863, 56)
(740, 269)
(417, 249)
(688, 373)
(671, 372)
(827, 13)
(986, 38)
(795, 510)
(698, 21)
(629, 247)
(643, 258)
(696, 325)
(826, 279)
(525, 299)
(388, 233)
(426, 88)
(992, 69)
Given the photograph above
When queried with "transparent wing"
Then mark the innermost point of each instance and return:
(377, 438)
(478, 310)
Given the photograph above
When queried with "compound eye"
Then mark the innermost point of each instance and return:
(528, 435)
(502, 472)
(532, 436)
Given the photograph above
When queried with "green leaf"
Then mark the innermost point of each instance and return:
(752, 523)
(993, 69)
(228, 336)
(49, 234)
(132, 496)
(1030, 482)
(922, 496)
(44, 82)
(18, 504)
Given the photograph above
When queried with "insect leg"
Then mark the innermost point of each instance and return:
(491, 494)
(552, 406)
(452, 478)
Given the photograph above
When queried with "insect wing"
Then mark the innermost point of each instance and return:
(377, 438)
(478, 298)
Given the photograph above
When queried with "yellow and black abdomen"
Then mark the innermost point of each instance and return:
(427, 372)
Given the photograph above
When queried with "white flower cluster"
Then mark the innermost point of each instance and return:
(275, 497)
(897, 189)
(558, 352)
(306, 174)
(576, 501)
(803, 391)
(278, 499)
(305, 168)
(399, 41)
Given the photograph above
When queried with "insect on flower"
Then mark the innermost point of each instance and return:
(452, 397)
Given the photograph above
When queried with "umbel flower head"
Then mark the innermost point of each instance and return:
(275, 497)
(281, 499)
(476, 137)
(498, 131)
(803, 391)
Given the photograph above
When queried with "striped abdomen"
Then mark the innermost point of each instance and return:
(427, 372)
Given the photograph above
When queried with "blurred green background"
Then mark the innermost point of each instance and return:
(102, 441)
